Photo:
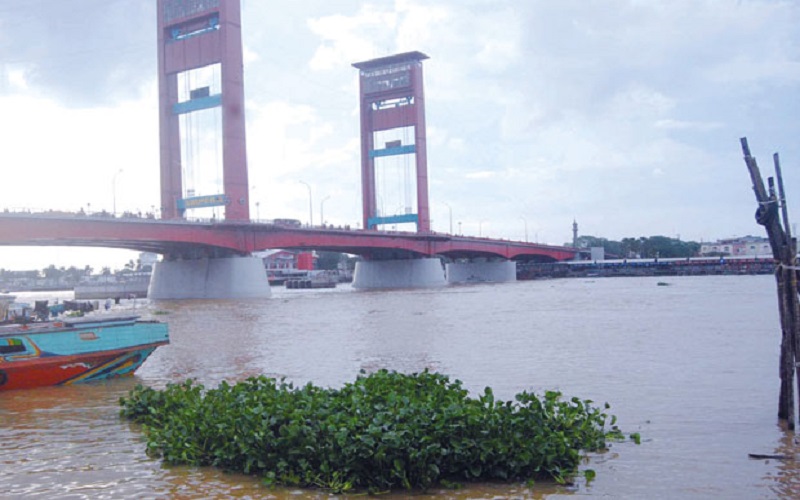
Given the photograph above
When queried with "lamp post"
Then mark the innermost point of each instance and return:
(526, 228)
(322, 210)
(310, 205)
(451, 216)
(459, 228)
(258, 215)
(114, 192)
(480, 227)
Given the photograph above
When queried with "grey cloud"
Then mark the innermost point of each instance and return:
(90, 52)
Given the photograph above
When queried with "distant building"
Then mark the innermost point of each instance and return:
(597, 253)
(744, 246)
(275, 260)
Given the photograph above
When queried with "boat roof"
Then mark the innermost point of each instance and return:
(71, 323)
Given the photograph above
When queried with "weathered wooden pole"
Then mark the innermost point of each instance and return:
(788, 268)
(783, 251)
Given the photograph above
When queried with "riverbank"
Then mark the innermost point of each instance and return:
(695, 266)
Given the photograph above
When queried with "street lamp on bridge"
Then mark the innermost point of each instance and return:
(480, 227)
(310, 205)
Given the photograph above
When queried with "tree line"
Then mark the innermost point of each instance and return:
(642, 247)
(71, 273)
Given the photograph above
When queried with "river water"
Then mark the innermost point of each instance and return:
(691, 366)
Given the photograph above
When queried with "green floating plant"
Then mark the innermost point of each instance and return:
(385, 431)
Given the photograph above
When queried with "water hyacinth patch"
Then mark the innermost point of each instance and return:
(385, 431)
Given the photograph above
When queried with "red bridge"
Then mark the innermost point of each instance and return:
(181, 238)
(199, 43)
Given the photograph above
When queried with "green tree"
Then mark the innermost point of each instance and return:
(631, 247)
(328, 260)
(51, 272)
(663, 246)
(73, 274)
(612, 248)
(644, 247)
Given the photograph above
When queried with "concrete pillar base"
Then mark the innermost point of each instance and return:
(481, 271)
(214, 278)
(409, 273)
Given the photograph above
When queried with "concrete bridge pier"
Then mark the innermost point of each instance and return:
(230, 277)
(481, 270)
(405, 273)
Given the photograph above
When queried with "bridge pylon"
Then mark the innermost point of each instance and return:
(393, 125)
(200, 67)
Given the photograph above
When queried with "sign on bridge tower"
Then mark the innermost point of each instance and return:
(393, 126)
(200, 41)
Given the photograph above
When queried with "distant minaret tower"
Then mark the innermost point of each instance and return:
(574, 234)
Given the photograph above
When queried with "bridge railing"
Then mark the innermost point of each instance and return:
(149, 217)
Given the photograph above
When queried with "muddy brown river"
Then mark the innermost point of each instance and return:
(692, 366)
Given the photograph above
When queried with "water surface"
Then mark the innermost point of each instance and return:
(691, 366)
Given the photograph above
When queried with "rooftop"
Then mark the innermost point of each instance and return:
(393, 59)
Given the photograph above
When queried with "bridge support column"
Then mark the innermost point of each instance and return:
(210, 278)
(481, 270)
(408, 273)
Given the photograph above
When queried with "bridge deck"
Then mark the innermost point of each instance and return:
(207, 238)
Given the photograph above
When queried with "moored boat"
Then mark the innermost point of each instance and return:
(75, 350)
(314, 279)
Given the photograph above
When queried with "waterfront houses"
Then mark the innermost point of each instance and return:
(739, 247)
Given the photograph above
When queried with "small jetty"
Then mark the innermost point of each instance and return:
(321, 279)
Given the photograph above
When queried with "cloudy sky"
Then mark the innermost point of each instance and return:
(624, 115)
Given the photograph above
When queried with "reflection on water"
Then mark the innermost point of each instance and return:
(691, 366)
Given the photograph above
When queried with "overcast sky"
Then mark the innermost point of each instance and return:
(623, 115)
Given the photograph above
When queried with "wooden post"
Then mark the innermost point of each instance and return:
(784, 252)
(788, 268)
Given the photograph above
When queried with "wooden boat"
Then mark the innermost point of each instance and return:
(75, 350)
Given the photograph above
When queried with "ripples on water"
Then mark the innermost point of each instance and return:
(691, 366)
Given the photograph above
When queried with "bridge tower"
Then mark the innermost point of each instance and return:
(201, 36)
(200, 68)
(393, 109)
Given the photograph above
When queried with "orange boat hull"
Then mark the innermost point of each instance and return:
(64, 370)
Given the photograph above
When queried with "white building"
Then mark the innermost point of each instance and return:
(744, 246)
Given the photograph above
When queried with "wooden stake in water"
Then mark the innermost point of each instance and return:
(788, 268)
(784, 252)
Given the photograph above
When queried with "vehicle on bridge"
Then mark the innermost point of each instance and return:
(287, 222)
